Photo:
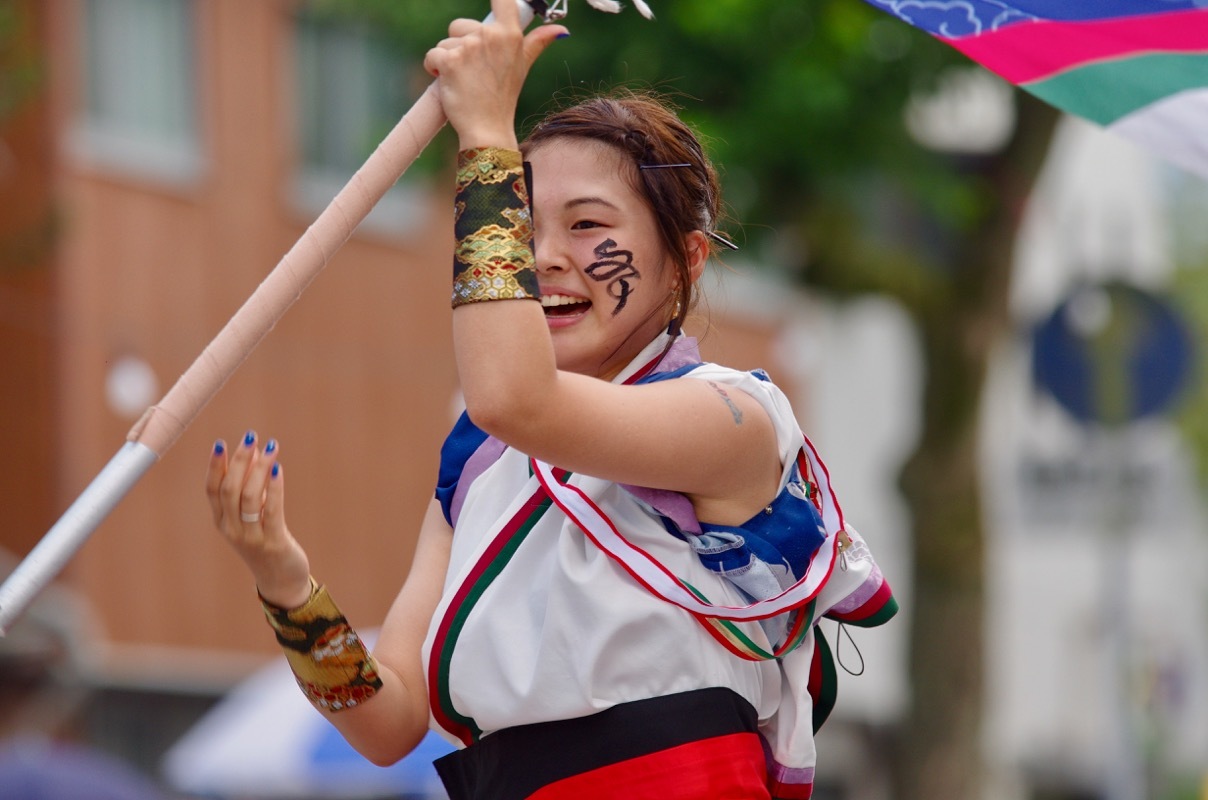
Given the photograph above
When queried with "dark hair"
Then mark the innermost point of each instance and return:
(671, 171)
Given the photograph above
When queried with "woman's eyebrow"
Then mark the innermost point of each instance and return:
(583, 201)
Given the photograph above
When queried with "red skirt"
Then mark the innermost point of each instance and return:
(699, 745)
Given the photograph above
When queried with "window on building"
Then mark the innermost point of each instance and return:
(351, 89)
(140, 88)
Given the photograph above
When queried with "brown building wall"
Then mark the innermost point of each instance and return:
(357, 381)
(350, 381)
(28, 217)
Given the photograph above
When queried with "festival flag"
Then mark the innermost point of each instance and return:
(1137, 67)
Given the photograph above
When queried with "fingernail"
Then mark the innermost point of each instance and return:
(276, 470)
(563, 35)
(249, 439)
(270, 447)
(219, 448)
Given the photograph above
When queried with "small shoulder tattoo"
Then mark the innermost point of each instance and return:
(735, 411)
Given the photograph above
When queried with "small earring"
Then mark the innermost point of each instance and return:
(673, 327)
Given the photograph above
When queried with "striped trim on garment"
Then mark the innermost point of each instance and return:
(489, 565)
(658, 580)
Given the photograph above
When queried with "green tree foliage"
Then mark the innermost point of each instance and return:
(1188, 204)
(19, 68)
(27, 223)
(797, 99)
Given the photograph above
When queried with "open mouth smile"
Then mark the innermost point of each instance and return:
(563, 307)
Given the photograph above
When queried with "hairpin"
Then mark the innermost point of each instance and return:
(714, 235)
(723, 241)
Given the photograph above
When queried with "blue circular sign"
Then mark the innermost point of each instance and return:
(1112, 354)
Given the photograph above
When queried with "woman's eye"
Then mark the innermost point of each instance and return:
(584, 224)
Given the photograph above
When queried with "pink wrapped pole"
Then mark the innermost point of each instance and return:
(162, 424)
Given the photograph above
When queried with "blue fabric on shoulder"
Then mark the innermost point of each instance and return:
(655, 377)
(463, 440)
(766, 554)
(769, 552)
(785, 536)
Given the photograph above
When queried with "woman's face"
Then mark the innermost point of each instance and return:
(606, 281)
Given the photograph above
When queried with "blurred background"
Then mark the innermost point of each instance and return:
(990, 319)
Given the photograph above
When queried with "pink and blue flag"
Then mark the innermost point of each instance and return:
(1139, 67)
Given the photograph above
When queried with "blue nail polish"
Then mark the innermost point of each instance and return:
(249, 439)
(562, 36)
(276, 470)
(219, 448)
(270, 447)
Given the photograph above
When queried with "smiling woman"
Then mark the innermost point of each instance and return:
(649, 148)
(617, 585)
(599, 253)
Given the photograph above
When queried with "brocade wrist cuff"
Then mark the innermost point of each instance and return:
(493, 258)
(333, 667)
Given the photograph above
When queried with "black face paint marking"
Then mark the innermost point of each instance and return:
(616, 267)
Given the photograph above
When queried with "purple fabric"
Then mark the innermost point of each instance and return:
(672, 505)
(791, 775)
(487, 454)
(860, 596)
(685, 351)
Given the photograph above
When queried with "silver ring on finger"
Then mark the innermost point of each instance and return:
(246, 517)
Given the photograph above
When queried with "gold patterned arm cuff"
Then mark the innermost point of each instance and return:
(333, 667)
(493, 258)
